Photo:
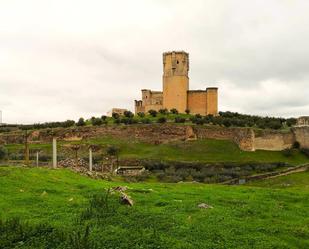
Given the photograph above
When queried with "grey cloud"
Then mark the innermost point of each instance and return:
(255, 51)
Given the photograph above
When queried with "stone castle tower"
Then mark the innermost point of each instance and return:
(175, 80)
(176, 93)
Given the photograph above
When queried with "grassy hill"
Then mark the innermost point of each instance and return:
(60, 209)
(204, 150)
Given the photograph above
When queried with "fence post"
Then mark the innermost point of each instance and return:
(90, 159)
(54, 153)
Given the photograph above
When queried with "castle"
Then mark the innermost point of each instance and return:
(176, 93)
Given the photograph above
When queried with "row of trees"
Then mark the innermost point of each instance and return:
(227, 119)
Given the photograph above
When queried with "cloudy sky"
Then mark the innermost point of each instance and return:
(63, 59)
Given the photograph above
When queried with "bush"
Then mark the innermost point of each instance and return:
(291, 121)
(115, 115)
(96, 121)
(68, 123)
(145, 121)
(128, 114)
(187, 111)
(103, 117)
(117, 121)
(141, 114)
(305, 151)
(161, 120)
(128, 121)
(3, 152)
(174, 111)
(81, 122)
(180, 120)
(287, 152)
(153, 113)
(163, 111)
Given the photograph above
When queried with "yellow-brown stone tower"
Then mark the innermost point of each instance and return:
(175, 80)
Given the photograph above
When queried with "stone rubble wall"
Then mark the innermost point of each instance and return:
(246, 138)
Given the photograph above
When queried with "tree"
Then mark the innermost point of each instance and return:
(81, 122)
(97, 121)
(128, 114)
(163, 111)
(103, 117)
(68, 123)
(153, 113)
(162, 120)
(180, 120)
(3, 152)
(115, 115)
(174, 111)
(141, 114)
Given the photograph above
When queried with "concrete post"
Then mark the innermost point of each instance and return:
(90, 159)
(37, 159)
(54, 153)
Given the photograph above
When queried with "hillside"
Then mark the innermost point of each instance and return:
(61, 211)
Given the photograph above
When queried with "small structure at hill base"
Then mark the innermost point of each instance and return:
(130, 170)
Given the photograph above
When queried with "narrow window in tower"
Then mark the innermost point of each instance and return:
(177, 62)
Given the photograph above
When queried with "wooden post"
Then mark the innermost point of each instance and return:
(26, 148)
(90, 159)
(54, 153)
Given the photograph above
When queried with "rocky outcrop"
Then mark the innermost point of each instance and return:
(247, 139)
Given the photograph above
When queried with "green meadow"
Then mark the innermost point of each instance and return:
(44, 208)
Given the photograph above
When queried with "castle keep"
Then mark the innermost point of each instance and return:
(176, 93)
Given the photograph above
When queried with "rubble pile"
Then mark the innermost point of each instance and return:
(70, 162)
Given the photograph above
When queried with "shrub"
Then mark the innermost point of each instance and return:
(287, 152)
(275, 124)
(227, 122)
(117, 121)
(174, 111)
(68, 123)
(161, 120)
(198, 115)
(128, 121)
(103, 117)
(153, 113)
(96, 121)
(3, 152)
(305, 151)
(112, 150)
(145, 121)
(115, 115)
(128, 114)
(141, 114)
(187, 111)
(291, 121)
(81, 122)
(180, 120)
(163, 111)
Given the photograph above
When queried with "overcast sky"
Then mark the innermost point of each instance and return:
(68, 59)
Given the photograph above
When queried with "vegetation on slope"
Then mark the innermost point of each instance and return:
(204, 151)
(227, 119)
(59, 209)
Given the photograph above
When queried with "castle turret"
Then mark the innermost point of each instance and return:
(175, 80)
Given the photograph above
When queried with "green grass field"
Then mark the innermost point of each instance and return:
(204, 150)
(60, 209)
